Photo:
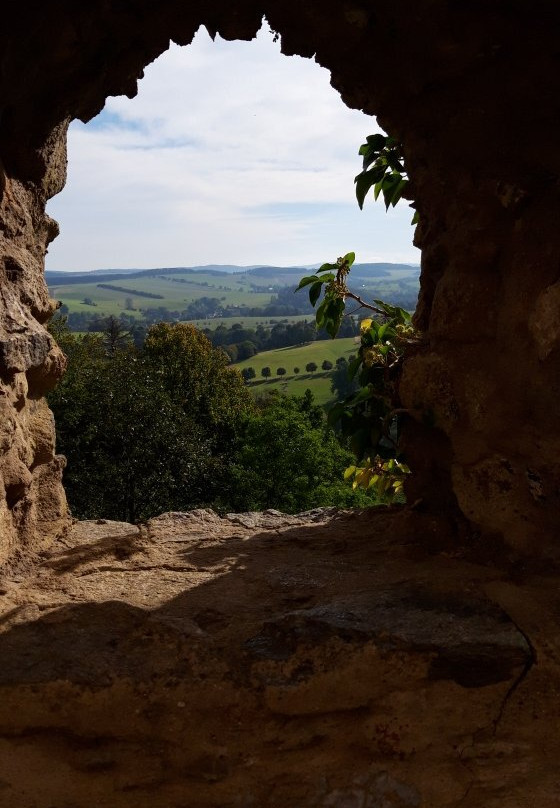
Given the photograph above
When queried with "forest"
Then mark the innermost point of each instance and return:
(170, 426)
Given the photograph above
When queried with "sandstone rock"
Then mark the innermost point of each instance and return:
(130, 673)
(466, 96)
(200, 662)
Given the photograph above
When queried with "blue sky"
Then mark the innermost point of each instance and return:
(230, 153)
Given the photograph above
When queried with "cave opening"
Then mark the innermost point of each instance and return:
(207, 167)
(464, 93)
(229, 662)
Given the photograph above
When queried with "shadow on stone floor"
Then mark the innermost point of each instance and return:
(319, 655)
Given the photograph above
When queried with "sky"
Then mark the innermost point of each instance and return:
(231, 153)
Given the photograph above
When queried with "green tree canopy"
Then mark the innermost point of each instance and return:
(196, 377)
(287, 458)
(145, 431)
(248, 373)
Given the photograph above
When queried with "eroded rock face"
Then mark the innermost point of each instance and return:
(472, 92)
(32, 503)
(317, 661)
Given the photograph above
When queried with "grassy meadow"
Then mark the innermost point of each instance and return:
(180, 287)
(176, 291)
(250, 322)
(289, 358)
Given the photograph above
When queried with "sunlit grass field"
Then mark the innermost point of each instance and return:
(289, 358)
(177, 292)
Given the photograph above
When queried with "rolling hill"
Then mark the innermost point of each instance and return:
(213, 292)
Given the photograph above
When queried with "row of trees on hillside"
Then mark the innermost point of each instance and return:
(266, 372)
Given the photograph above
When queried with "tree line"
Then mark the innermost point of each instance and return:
(238, 342)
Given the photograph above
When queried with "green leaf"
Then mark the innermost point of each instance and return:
(399, 190)
(364, 375)
(350, 471)
(321, 313)
(389, 310)
(325, 267)
(394, 162)
(363, 182)
(393, 187)
(390, 182)
(363, 395)
(349, 258)
(372, 149)
(378, 141)
(306, 281)
(377, 189)
(315, 291)
(404, 316)
(333, 317)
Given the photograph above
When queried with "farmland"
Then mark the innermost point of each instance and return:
(318, 382)
(169, 292)
(208, 297)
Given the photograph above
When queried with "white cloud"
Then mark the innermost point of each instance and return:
(231, 153)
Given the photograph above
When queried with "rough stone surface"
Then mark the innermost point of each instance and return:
(315, 661)
(475, 104)
(273, 661)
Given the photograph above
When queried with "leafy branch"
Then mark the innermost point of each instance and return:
(370, 418)
(383, 170)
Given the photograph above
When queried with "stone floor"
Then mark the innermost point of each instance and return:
(326, 660)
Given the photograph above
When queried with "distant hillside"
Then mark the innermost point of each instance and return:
(210, 293)
(58, 276)
(372, 270)
(54, 276)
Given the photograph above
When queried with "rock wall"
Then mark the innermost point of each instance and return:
(32, 503)
(472, 91)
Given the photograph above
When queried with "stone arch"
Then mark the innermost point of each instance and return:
(471, 91)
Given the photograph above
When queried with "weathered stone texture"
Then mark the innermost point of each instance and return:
(32, 504)
(317, 661)
(200, 663)
(472, 91)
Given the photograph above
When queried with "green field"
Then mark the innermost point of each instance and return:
(176, 290)
(180, 287)
(319, 382)
(250, 322)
